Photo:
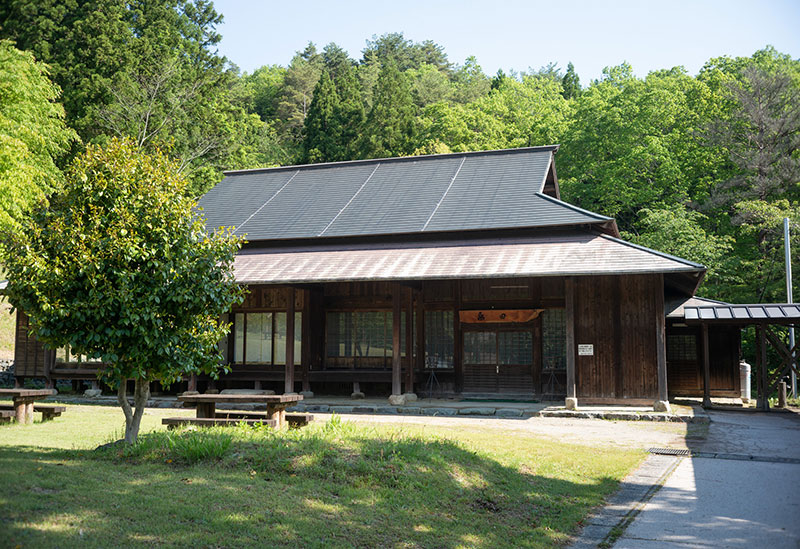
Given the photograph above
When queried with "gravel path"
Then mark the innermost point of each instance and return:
(591, 432)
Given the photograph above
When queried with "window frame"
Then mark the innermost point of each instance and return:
(298, 329)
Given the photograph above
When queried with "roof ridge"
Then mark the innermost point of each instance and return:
(573, 207)
(655, 252)
(541, 148)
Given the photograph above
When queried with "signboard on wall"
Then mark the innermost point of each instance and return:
(586, 349)
(495, 316)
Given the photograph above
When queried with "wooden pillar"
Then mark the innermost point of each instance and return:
(761, 359)
(410, 341)
(306, 337)
(396, 316)
(706, 369)
(289, 369)
(420, 359)
(661, 347)
(458, 363)
(569, 291)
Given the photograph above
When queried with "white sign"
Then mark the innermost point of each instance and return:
(585, 350)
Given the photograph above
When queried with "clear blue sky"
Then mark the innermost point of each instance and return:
(519, 34)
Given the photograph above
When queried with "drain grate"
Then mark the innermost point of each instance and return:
(669, 451)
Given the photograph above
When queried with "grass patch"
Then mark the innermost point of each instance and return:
(334, 484)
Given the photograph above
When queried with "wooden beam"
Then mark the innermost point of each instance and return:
(409, 341)
(289, 375)
(661, 347)
(569, 290)
(706, 369)
(763, 389)
(397, 290)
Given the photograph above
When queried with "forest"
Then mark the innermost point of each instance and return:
(702, 166)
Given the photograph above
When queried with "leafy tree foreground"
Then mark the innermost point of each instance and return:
(120, 268)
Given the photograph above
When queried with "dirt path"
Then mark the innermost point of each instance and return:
(590, 432)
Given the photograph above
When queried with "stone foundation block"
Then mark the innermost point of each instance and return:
(661, 406)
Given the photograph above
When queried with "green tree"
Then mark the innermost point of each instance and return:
(322, 132)
(350, 114)
(294, 101)
(469, 82)
(261, 90)
(85, 43)
(390, 128)
(516, 114)
(571, 83)
(406, 54)
(33, 135)
(429, 85)
(680, 231)
(634, 144)
(121, 268)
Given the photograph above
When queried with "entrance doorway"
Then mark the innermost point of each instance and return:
(498, 360)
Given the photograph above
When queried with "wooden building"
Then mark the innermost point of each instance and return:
(456, 274)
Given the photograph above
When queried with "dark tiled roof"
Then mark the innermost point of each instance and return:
(762, 313)
(452, 192)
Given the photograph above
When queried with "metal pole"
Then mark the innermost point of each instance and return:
(786, 248)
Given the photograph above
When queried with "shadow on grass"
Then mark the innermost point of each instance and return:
(337, 486)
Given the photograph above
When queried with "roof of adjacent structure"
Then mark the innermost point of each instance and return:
(562, 253)
(675, 307)
(763, 313)
(421, 194)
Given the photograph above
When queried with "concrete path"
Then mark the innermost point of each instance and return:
(749, 499)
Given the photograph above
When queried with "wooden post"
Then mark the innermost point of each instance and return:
(289, 369)
(764, 385)
(458, 363)
(706, 369)
(410, 341)
(569, 291)
(396, 316)
(420, 362)
(305, 335)
(662, 404)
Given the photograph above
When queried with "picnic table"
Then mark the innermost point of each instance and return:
(276, 405)
(23, 400)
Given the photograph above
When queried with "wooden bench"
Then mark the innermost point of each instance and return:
(293, 419)
(49, 411)
(172, 422)
(7, 415)
(276, 404)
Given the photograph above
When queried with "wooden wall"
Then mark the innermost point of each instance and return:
(617, 315)
(685, 376)
(30, 357)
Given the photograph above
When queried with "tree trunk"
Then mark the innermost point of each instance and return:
(133, 416)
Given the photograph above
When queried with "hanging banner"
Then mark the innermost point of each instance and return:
(494, 316)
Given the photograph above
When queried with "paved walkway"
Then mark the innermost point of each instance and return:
(748, 499)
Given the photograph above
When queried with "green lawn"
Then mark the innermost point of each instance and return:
(328, 485)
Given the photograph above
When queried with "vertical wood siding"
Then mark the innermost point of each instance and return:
(617, 314)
